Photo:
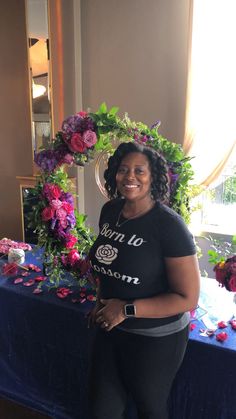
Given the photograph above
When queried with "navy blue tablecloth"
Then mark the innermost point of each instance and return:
(44, 358)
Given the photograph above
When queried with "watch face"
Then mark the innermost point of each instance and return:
(130, 310)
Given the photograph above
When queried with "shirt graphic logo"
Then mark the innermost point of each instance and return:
(106, 254)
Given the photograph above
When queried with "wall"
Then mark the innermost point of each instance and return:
(135, 56)
(15, 132)
(16, 157)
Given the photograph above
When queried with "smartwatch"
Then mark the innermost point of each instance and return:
(129, 310)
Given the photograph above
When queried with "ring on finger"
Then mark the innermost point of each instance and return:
(105, 324)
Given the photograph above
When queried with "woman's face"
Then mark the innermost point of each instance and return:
(133, 178)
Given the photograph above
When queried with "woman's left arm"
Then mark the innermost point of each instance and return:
(184, 285)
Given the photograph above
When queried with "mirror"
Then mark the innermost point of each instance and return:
(37, 27)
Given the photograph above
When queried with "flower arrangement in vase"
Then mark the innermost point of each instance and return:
(222, 256)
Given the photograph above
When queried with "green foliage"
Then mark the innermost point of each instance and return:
(109, 128)
(220, 250)
(229, 193)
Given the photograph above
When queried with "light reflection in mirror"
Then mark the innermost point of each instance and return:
(37, 26)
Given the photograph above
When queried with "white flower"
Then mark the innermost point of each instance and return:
(106, 254)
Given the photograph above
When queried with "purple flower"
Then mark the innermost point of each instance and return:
(77, 124)
(156, 125)
(71, 220)
(71, 124)
(46, 160)
(60, 232)
(66, 196)
(173, 177)
(53, 223)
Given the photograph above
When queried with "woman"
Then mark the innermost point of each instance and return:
(148, 279)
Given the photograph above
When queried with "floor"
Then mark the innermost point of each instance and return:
(10, 410)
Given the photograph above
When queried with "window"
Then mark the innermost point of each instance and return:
(210, 121)
(217, 204)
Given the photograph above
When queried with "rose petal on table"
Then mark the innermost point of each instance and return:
(37, 291)
(25, 274)
(192, 326)
(18, 280)
(60, 295)
(37, 269)
(29, 283)
(221, 337)
(82, 294)
(91, 297)
(233, 324)
(222, 325)
(64, 290)
(40, 278)
(82, 300)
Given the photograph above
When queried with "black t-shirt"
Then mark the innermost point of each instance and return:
(130, 259)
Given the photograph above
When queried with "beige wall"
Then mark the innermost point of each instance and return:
(135, 56)
(15, 131)
(16, 156)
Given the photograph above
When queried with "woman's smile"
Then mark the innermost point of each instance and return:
(133, 177)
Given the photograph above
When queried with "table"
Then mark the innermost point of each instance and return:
(44, 345)
(44, 358)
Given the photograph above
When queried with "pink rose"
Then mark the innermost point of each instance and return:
(47, 213)
(67, 159)
(63, 223)
(56, 204)
(55, 191)
(89, 138)
(51, 191)
(67, 207)
(70, 241)
(73, 257)
(83, 114)
(61, 214)
(232, 283)
(76, 143)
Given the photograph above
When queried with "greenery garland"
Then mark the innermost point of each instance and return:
(61, 230)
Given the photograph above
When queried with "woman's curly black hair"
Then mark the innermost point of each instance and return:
(158, 168)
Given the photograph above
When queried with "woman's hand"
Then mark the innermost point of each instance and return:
(111, 314)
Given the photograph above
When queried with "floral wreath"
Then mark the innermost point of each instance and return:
(60, 229)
